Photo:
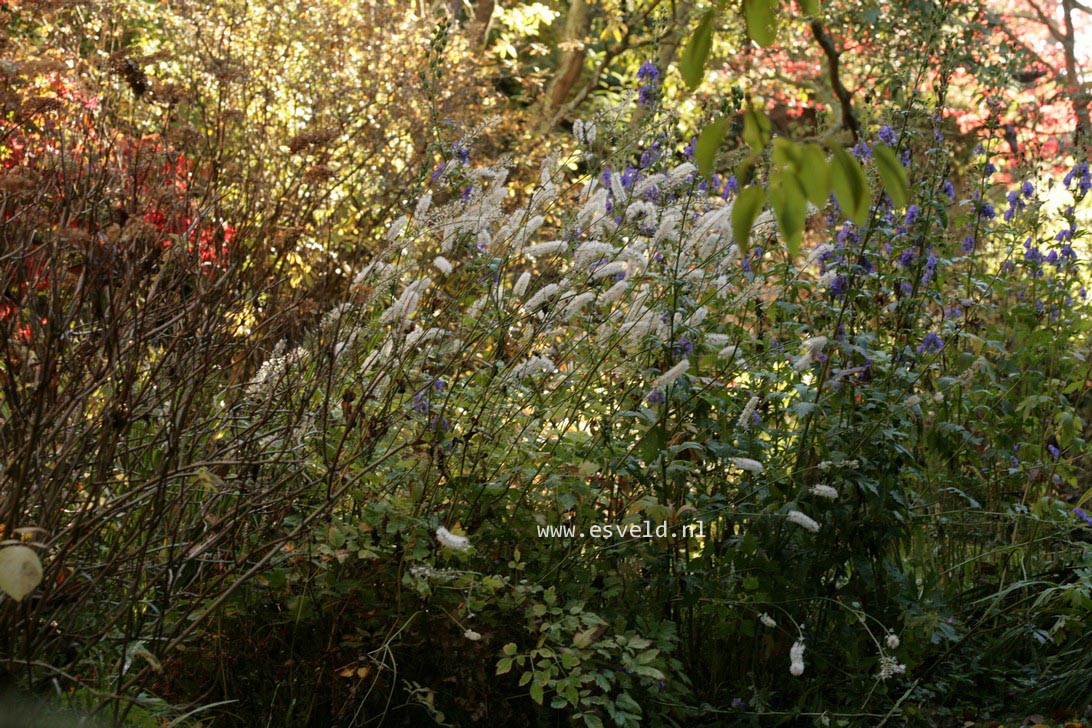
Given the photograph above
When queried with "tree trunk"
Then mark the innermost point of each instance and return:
(483, 16)
(577, 23)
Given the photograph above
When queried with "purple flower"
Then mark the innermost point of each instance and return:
(629, 176)
(839, 286)
(862, 151)
(656, 397)
(968, 244)
(906, 257)
(888, 136)
(989, 169)
(1028, 189)
(688, 152)
(986, 210)
(1083, 516)
(650, 155)
(461, 152)
(738, 704)
(1054, 451)
(648, 72)
(930, 344)
(1081, 173)
(439, 171)
(646, 95)
(682, 347)
(911, 214)
(731, 187)
(421, 404)
(930, 267)
(948, 189)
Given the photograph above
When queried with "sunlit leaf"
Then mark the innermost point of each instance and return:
(692, 63)
(756, 129)
(790, 208)
(892, 174)
(744, 211)
(850, 185)
(761, 17)
(705, 150)
(815, 174)
(20, 571)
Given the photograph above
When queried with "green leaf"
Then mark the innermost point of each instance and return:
(746, 208)
(705, 150)
(790, 208)
(850, 185)
(756, 129)
(761, 17)
(509, 649)
(814, 174)
(692, 63)
(892, 174)
(504, 665)
(536, 693)
(810, 7)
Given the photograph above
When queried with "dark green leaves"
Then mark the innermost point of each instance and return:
(761, 17)
(892, 174)
(692, 63)
(850, 185)
(746, 208)
(705, 151)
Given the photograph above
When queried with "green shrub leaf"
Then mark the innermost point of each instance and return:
(746, 208)
(892, 174)
(850, 185)
(709, 140)
(761, 17)
(692, 63)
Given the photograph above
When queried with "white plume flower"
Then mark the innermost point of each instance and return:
(670, 375)
(449, 540)
(824, 491)
(803, 520)
(767, 620)
(796, 658)
(751, 466)
(521, 284)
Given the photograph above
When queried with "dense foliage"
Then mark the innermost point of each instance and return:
(630, 363)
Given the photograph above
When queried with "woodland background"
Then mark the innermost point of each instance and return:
(312, 313)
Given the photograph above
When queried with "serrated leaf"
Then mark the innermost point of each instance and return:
(850, 185)
(790, 208)
(696, 52)
(746, 208)
(20, 571)
(761, 17)
(892, 174)
(815, 174)
(756, 129)
(705, 150)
